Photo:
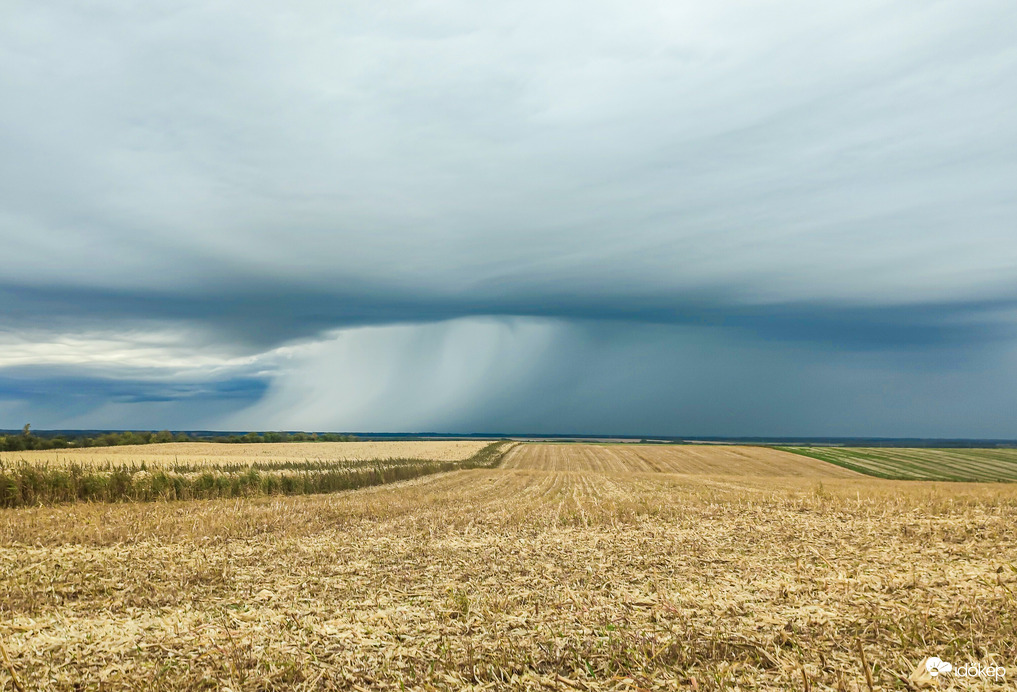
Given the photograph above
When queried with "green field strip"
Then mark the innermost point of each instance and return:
(936, 465)
(933, 464)
(985, 465)
(995, 465)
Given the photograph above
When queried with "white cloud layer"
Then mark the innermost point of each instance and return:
(783, 150)
(166, 350)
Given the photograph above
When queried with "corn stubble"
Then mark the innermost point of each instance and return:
(193, 471)
(551, 571)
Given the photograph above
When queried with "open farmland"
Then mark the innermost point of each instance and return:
(920, 463)
(561, 569)
(194, 470)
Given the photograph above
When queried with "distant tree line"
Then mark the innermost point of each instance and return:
(27, 440)
(281, 437)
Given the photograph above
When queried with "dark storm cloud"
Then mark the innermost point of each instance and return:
(602, 377)
(239, 179)
(265, 316)
(643, 379)
(77, 398)
(44, 384)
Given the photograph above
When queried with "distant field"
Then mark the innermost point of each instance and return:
(920, 464)
(195, 455)
(718, 460)
(198, 470)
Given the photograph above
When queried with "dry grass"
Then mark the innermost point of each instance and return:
(517, 578)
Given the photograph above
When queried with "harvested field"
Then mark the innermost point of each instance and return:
(517, 578)
(920, 464)
(719, 460)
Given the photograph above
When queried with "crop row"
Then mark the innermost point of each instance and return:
(920, 463)
(24, 483)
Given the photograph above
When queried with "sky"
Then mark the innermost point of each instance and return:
(769, 218)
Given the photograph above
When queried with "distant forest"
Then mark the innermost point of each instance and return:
(27, 440)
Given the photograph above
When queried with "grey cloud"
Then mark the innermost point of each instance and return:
(595, 377)
(834, 179)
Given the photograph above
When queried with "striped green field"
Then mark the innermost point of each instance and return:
(920, 464)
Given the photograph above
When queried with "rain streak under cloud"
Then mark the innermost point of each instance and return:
(773, 218)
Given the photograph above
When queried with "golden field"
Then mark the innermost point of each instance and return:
(567, 567)
(211, 454)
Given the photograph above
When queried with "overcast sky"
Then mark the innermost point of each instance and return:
(724, 218)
